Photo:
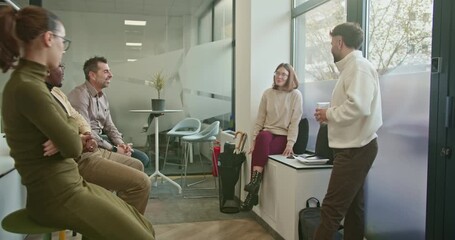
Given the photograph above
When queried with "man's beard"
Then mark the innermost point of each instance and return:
(60, 84)
(335, 58)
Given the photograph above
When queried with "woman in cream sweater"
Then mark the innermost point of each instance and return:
(276, 127)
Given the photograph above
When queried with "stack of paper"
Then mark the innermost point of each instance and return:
(310, 159)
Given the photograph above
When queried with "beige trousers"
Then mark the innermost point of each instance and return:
(119, 173)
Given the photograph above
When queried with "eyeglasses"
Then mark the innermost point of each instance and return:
(66, 42)
(283, 75)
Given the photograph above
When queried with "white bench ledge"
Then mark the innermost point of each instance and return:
(6, 161)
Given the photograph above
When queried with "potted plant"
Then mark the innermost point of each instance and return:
(158, 82)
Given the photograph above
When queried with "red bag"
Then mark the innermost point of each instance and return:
(215, 155)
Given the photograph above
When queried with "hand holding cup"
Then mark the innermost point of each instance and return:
(323, 105)
(321, 111)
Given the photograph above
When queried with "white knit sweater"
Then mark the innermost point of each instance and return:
(355, 113)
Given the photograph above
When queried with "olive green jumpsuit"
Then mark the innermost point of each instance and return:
(57, 195)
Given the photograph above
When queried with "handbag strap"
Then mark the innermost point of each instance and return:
(314, 200)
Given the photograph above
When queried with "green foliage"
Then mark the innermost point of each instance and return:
(398, 34)
(158, 82)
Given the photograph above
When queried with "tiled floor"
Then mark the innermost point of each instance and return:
(167, 206)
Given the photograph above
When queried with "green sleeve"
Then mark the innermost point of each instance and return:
(37, 104)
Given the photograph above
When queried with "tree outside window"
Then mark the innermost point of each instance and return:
(399, 33)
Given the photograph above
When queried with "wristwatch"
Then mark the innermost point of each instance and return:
(114, 149)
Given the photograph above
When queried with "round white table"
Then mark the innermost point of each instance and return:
(157, 155)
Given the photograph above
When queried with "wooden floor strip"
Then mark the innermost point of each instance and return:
(239, 229)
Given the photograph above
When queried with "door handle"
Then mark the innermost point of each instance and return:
(436, 63)
(446, 152)
(449, 110)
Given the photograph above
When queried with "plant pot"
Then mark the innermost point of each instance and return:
(157, 104)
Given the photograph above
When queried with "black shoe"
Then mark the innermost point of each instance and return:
(250, 201)
(253, 186)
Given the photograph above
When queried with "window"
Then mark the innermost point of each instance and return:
(399, 34)
(298, 2)
(205, 28)
(223, 20)
(314, 61)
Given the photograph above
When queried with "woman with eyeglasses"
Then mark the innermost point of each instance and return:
(57, 196)
(276, 128)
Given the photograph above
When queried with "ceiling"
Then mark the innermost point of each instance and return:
(143, 7)
(164, 31)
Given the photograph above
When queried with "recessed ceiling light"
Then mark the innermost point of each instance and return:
(135, 23)
(16, 7)
(131, 60)
(134, 44)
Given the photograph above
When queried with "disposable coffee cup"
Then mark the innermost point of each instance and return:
(323, 105)
(131, 146)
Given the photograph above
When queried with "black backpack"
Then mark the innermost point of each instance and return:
(309, 219)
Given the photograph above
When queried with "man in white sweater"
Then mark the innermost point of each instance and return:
(353, 118)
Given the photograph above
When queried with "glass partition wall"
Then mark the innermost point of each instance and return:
(399, 45)
(140, 38)
(313, 61)
(398, 42)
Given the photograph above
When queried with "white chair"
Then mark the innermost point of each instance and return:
(207, 135)
(185, 127)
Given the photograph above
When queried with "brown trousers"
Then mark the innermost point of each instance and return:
(122, 174)
(345, 195)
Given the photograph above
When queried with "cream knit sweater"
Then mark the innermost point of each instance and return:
(280, 113)
(355, 113)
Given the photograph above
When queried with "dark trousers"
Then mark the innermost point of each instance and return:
(138, 154)
(267, 144)
(141, 156)
(345, 195)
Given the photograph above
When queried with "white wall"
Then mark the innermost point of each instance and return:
(263, 30)
(12, 192)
